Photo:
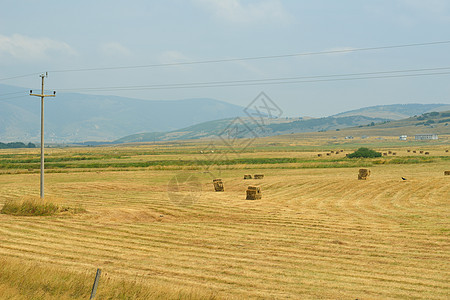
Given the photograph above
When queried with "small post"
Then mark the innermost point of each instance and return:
(94, 287)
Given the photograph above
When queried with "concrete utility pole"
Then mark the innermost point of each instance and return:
(42, 128)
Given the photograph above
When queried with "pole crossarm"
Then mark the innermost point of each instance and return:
(38, 95)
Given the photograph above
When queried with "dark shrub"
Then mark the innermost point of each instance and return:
(364, 153)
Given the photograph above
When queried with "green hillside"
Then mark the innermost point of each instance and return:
(249, 128)
(428, 123)
(433, 122)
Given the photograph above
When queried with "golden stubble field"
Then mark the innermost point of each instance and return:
(315, 234)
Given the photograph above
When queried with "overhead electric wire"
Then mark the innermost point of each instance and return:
(282, 82)
(9, 98)
(271, 81)
(255, 57)
(237, 59)
(255, 82)
(1, 95)
(19, 76)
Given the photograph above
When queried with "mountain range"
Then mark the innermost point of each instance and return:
(246, 128)
(75, 118)
(71, 117)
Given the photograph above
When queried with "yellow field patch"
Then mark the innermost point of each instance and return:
(316, 233)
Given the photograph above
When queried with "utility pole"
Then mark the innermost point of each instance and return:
(42, 127)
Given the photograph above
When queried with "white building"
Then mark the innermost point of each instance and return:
(426, 137)
(403, 137)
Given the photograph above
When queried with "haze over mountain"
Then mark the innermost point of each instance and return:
(395, 111)
(72, 117)
(246, 128)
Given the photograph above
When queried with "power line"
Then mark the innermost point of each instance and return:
(256, 82)
(19, 76)
(255, 57)
(238, 59)
(9, 98)
(1, 95)
(282, 80)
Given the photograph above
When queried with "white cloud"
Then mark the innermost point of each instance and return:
(29, 48)
(236, 12)
(114, 49)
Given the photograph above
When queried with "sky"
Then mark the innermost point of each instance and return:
(56, 36)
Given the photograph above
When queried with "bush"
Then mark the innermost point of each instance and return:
(364, 153)
(444, 121)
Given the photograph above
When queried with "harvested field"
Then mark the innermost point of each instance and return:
(319, 233)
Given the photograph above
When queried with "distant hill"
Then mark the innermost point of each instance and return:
(248, 128)
(395, 111)
(74, 117)
(432, 122)
(428, 123)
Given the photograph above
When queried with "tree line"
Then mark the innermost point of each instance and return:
(16, 145)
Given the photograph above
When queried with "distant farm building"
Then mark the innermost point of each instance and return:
(403, 137)
(426, 137)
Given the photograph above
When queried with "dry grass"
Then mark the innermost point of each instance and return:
(23, 280)
(316, 233)
(35, 206)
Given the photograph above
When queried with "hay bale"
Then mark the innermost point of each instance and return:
(247, 176)
(319, 155)
(218, 185)
(427, 153)
(258, 176)
(446, 173)
(363, 174)
(253, 193)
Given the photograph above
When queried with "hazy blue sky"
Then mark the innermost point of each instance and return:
(38, 36)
